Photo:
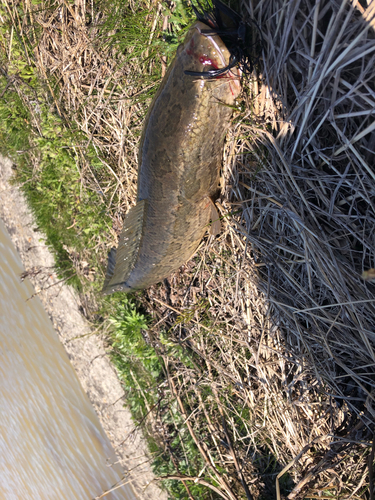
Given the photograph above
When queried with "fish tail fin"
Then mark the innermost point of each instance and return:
(215, 220)
(121, 261)
(110, 267)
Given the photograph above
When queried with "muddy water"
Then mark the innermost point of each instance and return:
(51, 443)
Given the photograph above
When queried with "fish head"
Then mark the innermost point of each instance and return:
(203, 52)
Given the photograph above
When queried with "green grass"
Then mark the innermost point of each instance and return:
(48, 166)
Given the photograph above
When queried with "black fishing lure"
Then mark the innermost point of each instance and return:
(235, 33)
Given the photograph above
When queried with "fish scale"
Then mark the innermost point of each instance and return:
(180, 157)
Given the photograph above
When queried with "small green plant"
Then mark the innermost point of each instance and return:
(140, 368)
(128, 320)
(127, 338)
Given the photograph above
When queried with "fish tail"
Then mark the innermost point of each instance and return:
(110, 266)
(121, 261)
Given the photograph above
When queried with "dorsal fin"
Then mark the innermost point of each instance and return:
(122, 260)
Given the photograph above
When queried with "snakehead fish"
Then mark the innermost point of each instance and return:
(180, 156)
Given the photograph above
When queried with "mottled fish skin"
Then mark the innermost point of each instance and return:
(180, 155)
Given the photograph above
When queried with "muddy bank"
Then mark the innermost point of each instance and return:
(86, 352)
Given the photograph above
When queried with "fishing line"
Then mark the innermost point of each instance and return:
(235, 33)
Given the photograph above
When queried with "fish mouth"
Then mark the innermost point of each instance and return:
(222, 62)
(203, 27)
(236, 32)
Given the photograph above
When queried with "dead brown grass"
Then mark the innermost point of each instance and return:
(103, 91)
(275, 311)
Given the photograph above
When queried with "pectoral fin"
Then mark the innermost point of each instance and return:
(122, 260)
(215, 220)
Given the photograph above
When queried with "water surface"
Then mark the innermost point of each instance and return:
(52, 446)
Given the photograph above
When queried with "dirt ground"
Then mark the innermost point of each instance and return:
(86, 352)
